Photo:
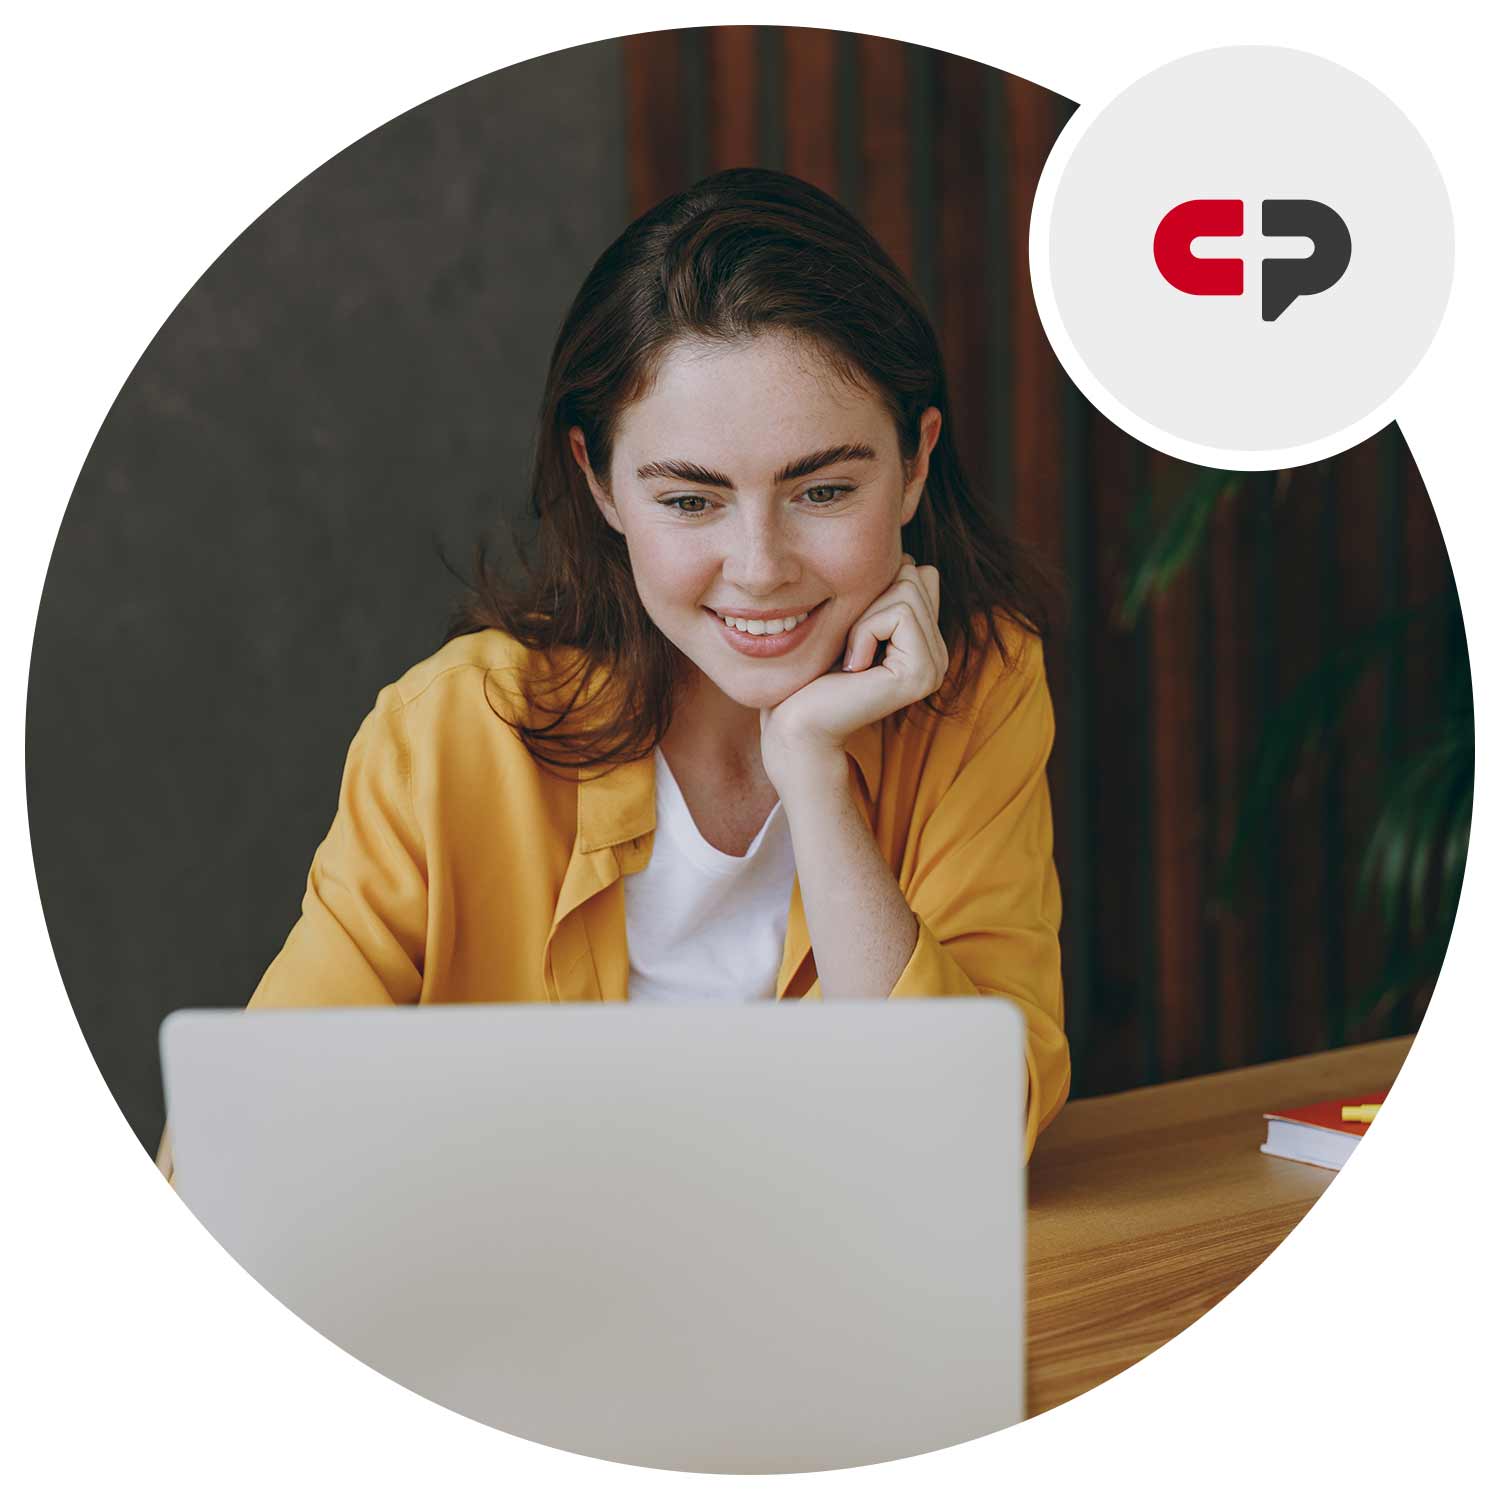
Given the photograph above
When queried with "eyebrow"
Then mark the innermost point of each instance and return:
(798, 468)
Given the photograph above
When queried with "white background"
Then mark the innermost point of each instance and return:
(139, 141)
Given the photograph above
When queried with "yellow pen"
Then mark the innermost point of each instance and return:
(1363, 1113)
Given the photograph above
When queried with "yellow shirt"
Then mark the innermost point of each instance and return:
(458, 868)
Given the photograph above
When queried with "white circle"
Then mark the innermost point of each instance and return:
(1222, 378)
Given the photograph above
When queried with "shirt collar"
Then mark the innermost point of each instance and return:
(617, 806)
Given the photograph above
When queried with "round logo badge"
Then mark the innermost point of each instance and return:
(1242, 257)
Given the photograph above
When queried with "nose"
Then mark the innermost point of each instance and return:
(761, 559)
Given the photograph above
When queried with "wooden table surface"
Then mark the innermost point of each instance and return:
(1147, 1207)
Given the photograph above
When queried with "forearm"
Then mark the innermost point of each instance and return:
(861, 929)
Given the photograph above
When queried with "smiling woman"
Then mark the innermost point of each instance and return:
(770, 718)
(761, 538)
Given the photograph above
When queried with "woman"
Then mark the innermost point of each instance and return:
(770, 717)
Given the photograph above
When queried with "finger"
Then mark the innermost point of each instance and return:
(878, 624)
(926, 580)
(908, 590)
(933, 586)
(862, 645)
(925, 576)
(929, 578)
(909, 653)
(913, 588)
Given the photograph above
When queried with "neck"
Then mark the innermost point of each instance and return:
(709, 726)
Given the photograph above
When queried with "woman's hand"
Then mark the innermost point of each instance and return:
(806, 732)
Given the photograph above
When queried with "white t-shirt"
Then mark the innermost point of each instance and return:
(697, 920)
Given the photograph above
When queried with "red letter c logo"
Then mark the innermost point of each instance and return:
(1177, 231)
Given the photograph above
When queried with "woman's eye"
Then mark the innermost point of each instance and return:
(826, 494)
(697, 505)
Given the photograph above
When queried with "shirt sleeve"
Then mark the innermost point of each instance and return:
(361, 937)
(984, 889)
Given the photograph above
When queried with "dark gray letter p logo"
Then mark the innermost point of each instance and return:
(1283, 281)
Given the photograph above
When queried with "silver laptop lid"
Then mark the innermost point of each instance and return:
(748, 1239)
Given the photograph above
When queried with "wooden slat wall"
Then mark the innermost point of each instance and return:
(1303, 630)
(811, 134)
(940, 157)
(1177, 721)
(1237, 648)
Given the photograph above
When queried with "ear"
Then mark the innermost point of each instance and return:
(597, 490)
(932, 423)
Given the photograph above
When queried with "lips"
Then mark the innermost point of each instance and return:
(767, 643)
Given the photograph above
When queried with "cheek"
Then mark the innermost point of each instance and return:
(669, 570)
(862, 562)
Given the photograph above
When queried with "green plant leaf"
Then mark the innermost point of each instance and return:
(1414, 967)
(1162, 556)
(1456, 853)
(1423, 799)
(1415, 856)
(1301, 725)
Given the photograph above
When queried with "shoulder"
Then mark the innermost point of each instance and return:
(997, 725)
(1011, 660)
(486, 678)
(1004, 706)
(1010, 669)
(461, 663)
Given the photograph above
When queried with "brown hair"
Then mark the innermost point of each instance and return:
(741, 252)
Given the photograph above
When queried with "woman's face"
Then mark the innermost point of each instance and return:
(753, 485)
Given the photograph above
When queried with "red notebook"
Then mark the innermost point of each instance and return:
(1315, 1133)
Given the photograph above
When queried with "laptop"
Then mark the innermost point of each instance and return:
(742, 1239)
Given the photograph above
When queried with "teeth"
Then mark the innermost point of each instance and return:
(764, 627)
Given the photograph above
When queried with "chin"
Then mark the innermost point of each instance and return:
(761, 688)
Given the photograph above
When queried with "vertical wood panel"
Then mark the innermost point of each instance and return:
(693, 65)
(1385, 458)
(770, 56)
(733, 98)
(850, 144)
(1335, 810)
(1357, 480)
(1178, 833)
(885, 130)
(1078, 727)
(1147, 894)
(921, 108)
(1427, 575)
(810, 99)
(1237, 623)
(962, 256)
(1271, 1015)
(1117, 894)
(1302, 622)
(1003, 252)
(654, 118)
(1208, 792)
(1031, 124)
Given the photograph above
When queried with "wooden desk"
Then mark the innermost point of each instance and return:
(1148, 1206)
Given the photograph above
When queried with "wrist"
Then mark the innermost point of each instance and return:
(812, 778)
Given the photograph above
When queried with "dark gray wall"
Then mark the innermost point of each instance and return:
(251, 550)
